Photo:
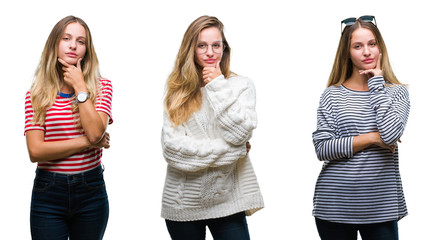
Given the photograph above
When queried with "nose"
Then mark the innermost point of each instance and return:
(72, 45)
(209, 51)
(366, 51)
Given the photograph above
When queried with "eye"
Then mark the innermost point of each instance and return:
(373, 44)
(65, 38)
(82, 42)
(216, 45)
(201, 45)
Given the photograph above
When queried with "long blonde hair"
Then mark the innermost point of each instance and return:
(183, 96)
(48, 77)
(343, 67)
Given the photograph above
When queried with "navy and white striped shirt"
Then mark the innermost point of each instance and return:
(363, 187)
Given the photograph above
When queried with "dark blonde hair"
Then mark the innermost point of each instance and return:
(48, 77)
(183, 96)
(343, 66)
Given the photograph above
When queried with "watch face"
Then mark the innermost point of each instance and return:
(82, 97)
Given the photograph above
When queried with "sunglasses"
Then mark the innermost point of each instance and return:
(353, 20)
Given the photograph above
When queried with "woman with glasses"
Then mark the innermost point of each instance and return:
(208, 119)
(361, 117)
(67, 111)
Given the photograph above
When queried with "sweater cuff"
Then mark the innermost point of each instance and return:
(216, 84)
(376, 83)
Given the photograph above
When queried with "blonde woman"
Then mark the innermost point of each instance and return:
(66, 114)
(361, 117)
(209, 118)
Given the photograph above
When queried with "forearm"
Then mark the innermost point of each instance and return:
(41, 151)
(194, 155)
(363, 141)
(93, 123)
(392, 108)
(233, 103)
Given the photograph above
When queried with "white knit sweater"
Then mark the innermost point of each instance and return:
(208, 173)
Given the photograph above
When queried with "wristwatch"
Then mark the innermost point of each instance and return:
(82, 97)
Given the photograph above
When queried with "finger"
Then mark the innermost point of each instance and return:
(217, 65)
(79, 64)
(379, 62)
(63, 62)
(362, 72)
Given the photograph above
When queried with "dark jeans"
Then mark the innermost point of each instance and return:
(341, 231)
(74, 206)
(233, 227)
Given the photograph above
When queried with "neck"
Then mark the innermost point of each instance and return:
(66, 88)
(357, 81)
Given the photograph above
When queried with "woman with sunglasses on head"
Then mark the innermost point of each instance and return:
(67, 111)
(361, 117)
(209, 118)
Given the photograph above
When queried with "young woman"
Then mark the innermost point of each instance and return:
(209, 118)
(361, 117)
(67, 111)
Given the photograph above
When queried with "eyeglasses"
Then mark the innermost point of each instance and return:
(217, 47)
(353, 20)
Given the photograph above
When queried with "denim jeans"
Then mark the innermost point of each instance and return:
(74, 206)
(233, 227)
(341, 231)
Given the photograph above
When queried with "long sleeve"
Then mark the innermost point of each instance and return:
(392, 109)
(192, 153)
(233, 101)
(328, 144)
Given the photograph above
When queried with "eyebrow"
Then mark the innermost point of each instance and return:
(212, 42)
(371, 40)
(79, 37)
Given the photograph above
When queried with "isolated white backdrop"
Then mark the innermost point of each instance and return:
(286, 47)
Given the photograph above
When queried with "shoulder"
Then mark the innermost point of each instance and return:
(105, 85)
(104, 82)
(398, 90)
(240, 82)
(331, 96)
(239, 79)
(331, 91)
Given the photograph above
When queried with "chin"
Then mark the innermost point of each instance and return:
(70, 61)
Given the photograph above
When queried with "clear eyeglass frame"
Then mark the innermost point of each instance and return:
(217, 47)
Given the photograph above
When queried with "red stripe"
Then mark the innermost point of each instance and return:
(61, 125)
(72, 170)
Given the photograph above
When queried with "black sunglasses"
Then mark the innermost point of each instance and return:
(353, 20)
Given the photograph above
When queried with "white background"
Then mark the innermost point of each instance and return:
(286, 47)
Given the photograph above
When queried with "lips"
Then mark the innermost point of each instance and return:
(368, 60)
(71, 54)
(210, 61)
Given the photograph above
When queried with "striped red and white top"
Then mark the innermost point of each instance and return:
(60, 125)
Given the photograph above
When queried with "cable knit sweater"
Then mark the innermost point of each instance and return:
(208, 173)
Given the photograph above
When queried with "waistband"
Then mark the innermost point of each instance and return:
(69, 177)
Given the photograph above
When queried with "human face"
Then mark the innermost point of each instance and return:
(364, 50)
(208, 36)
(72, 44)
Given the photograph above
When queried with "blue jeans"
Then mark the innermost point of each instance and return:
(341, 231)
(232, 227)
(74, 206)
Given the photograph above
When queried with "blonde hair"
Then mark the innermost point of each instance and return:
(48, 77)
(183, 96)
(343, 67)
